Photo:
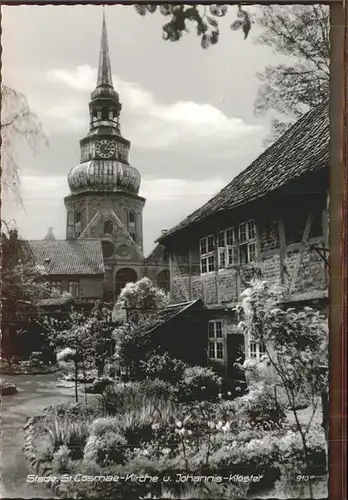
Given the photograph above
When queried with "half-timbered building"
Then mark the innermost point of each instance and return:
(270, 220)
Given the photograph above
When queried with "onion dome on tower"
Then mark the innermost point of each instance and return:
(104, 163)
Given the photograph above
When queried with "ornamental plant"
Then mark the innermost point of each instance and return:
(86, 341)
(296, 343)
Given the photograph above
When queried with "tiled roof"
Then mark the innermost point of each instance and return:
(302, 149)
(68, 257)
(158, 253)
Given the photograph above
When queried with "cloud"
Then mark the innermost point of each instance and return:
(167, 190)
(82, 78)
(44, 207)
(150, 124)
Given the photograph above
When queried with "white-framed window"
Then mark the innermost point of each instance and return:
(227, 248)
(257, 349)
(207, 254)
(74, 288)
(215, 340)
(57, 285)
(230, 250)
(247, 242)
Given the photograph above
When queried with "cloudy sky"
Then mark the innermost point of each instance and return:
(188, 112)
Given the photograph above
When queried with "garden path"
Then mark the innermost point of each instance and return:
(35, 392)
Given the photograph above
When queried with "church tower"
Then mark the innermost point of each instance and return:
(104, 201)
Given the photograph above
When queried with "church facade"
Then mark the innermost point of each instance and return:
(103, 249)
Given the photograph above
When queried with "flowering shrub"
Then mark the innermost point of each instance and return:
(36, 359)
(199, 383)
(260, 408)
(61, 459)
(105, 448)
(162, 366)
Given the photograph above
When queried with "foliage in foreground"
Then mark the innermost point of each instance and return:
(149, 432)
(296, 344)
(19, 125)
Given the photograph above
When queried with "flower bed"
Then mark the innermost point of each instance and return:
(25, 368)
(143, 429)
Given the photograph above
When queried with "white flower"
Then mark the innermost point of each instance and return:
(219, 425)
(66, 354)
(226, 427)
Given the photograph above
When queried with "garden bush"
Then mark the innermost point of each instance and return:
(260, 408)
(36, 359)
(160, 436)
(199, 383)
(163, 367)
(62, 462)
(105, 448)
(72, 434)
(120, 397)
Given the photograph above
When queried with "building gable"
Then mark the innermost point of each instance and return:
(106, 225)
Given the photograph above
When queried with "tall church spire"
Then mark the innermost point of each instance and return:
(104, 70)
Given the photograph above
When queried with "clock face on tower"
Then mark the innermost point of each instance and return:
(105, 148)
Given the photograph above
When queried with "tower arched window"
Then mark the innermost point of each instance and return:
(108, 227)
(132, 218)
(105, 114)
(77, 224)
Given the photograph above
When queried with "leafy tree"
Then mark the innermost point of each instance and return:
(302, 34)
(296, 343)
(141, 299)
(23, 284)
(299, 32)
(85, 340)
(204, 18)
(19, 124)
